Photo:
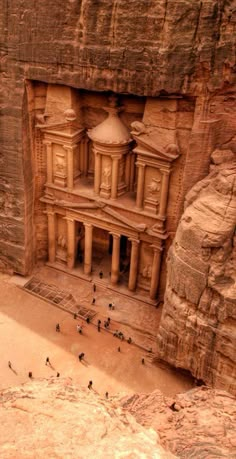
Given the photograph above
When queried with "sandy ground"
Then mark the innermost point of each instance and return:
(28, 336)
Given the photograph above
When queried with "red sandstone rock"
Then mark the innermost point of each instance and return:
(197, 330)
(201, 423)
(55, 419)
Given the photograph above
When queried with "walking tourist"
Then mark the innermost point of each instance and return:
(90, 384)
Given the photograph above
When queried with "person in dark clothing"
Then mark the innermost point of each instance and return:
(81, 356)
(129, 340)
(94, 300)
(58, 374)
(9, 364)
(101, 274)
(94, 288)
(58, 328)
(143, 361)
(90, 384)
(99, 325)
(106, 394)
(47, 361)
(30, 374)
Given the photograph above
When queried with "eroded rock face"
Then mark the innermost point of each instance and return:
(198, 424)
(56, 419)
(198, 329)
(141, 47)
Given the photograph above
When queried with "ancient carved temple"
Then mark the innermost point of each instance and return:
(106, 188)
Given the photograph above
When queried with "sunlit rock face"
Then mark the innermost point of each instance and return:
(197, 424)
(56, 419)
(146, 48)
(197, 330)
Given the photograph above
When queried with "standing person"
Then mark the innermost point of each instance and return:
(94, 288)
(79, 328)
(90, 384)
(58, 328)
(81, 356)
(47, 361)
(99, 325)
(9, 364)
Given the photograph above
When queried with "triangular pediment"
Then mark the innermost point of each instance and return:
(156, 142)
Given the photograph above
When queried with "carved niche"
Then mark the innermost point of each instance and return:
(156, 150)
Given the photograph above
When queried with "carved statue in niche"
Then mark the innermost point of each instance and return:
(153, 188)
(147, 271)
(106, 174)
(61, 241)
(60, 164)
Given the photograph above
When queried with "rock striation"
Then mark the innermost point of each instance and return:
(198, 424)
(198, 328)
(56, 419)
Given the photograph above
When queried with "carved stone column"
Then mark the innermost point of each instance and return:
(133, 271)
(115, 262)
(132, 170)
(70, 243)
(88, 243)
(127, 170)
(97, 171)
(70, 167)
(164, 193)
(49, 162)
(51, 236)
(155, 272)
(140, 186)
(114, 176)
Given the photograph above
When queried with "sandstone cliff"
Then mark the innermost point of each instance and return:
(198, 328)
(147, 48)
(56, 419)
(199, 424)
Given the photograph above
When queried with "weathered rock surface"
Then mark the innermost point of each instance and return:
(198, 328)
(200, 423)
(141, 47)
(56, 419)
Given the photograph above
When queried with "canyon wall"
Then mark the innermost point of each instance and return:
(198, 324)
(145, 48)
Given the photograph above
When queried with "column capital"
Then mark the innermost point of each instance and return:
(115, 235)
(69, 219)
(88, 225)
(138, 164)
(50, 212)
(165, 171)
(134, 241)
(47, 142)
(156, 248)
(117, 157)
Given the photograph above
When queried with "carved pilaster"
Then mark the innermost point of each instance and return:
(134, 259)
(51, 236)
(70, 167)
(164, 193)
(114, 176)
(115, 263)
(97, 177)
(88, 242)
(140, 186)
(70, 243)
(155, 272)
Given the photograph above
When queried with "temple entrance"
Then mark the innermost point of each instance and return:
(101, 254)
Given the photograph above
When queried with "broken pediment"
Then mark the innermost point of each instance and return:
(153, 141)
